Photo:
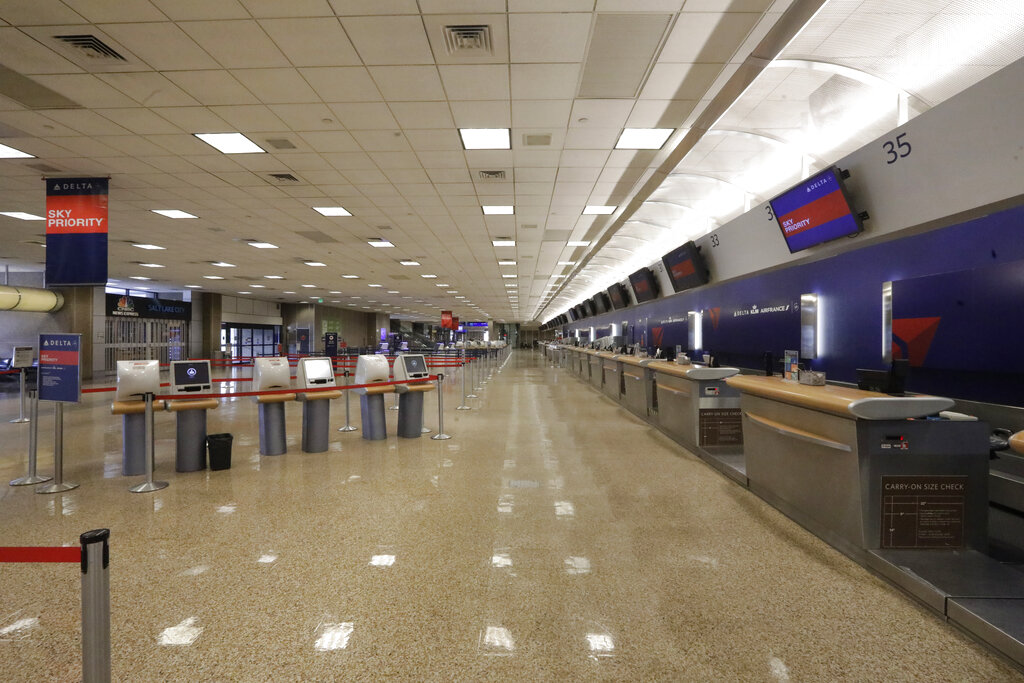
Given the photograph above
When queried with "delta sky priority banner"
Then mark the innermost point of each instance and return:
(76, 231)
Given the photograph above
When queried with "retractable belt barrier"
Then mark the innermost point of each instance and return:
(93, 558)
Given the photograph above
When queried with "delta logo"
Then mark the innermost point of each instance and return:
(912, 337)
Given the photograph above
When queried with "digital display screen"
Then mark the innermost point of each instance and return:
(588, 306)
(187, 373)
(645, 287)
(815, 211)
(619, 297)
(318, 370)
(685, 267)
(580, 313)
(415, 365)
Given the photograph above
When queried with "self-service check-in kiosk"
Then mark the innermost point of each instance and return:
(270, 374)
(371, 370)
(316, 373)
(135, 379)
(410, 396)
(191, 376)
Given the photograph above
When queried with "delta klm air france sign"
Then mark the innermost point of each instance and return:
(76, 231)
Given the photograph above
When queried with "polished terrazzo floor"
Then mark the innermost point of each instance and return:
(554, 537)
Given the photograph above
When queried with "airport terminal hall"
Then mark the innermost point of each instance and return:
(512, 340)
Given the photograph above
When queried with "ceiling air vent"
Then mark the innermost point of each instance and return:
(280, 143)
(92, 47)
(537, 140)
(492, 175)
(467, 38)
(284, 177)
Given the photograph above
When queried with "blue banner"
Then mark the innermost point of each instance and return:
(60, 376)
(76, 231)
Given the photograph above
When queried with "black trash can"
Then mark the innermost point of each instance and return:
(219, 447)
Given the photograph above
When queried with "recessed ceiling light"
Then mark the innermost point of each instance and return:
(289, 292)
(452, 291)
(194, 286)
(334, 291)
(643, 138)
(151, 265)
(443, 285)
(213, 277)
(506, 275)
(379, 243)
(245, 292)
(460, 297)
(148, 246)
(503, 243)
(310, 286)
(593, 210)
(262, 245)
(495, 210)
(222, 264)
(428, 276)
(392, 291)
(512, 285)
(567, 263)
(230, 143)
(21, 215)
(173, 213)
(376, 285)
(351, 277)
(485, 138)
(273, 277)
(258, 286)
(315, 264)
(409, 263)
(506, 263)
(332, 210)
(577, 243)
(11, 153)
(139, 277)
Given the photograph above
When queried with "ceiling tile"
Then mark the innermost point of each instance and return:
(592, 138)
(541, 113)
(192, 119)
(408, 83)
(342, 84)
(140, 121)
(462, 6)
(600, 113)
(365, 116)
(86, 89)
(344, 159)
(710, 37)
(395, 160)
(433, 140)
(482, 114)
(34, 13)
(422, 115)
(149, 89)
(292, 8)
(303, 41)
(306, 117)
(192, 10)
(389, 39)
(660, 113)
(276, 86)
(544, 81)
(548, 37)
(450, 175)
(249, 117)
(679, 81)
(84, 121)
(212, 87)
(355, 7)
(586, 158)
(475, 82)
(26, 55)
(381, 140)
(235, 44)
(639, 5)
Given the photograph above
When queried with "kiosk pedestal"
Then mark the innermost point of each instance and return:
(316, 419)
(410, 409)
(272, 432)
(190, 451)
(371, 405)
(133, 440)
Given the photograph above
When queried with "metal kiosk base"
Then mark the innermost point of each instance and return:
(133, 441)
(410, 410)
(190, 450)
(316, 420)
(371, 406)
(272, 432)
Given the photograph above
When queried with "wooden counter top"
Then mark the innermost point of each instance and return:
(1017, 442)
(843, 401)
(670, 368)
(633, 360)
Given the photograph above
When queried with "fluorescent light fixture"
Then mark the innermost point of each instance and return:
(452, 291)
(230, 143)
(409, 263)
(503, 243)
(351, 277)
(148, 246)
(334, 291)
(460, 297)
(392, 291)
(485, 138)
(151, 265)
(428, 276)
(380, 244)
(213, 277)
(495, 210)
(443, 285)
(577, 243)
(567, 263)
(21, 215)
(289, 292)
(194, 286)
(332, 210)
(173, 213)
(245, 292)
(506, 263)
(258, 286)
(310, 286)
(512, 285)
(11, 153)
(376, 285)
(315, 264)
(593, 210)
(643, 138)
(273, 277)
(262, 245)
(222, 264)
(506, 275)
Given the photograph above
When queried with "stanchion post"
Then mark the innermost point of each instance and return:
(348, 413)
(474, 380)
(440, 436)
(58, 484)
(149, 485)
(33, 444)
(21, 389)
(465, 369)
(95, 606)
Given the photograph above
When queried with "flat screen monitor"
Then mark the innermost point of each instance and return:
(415, 367)
(815, 211)
(685, 267)
(571, 314)
(618, 296)
(588, 306)
(190, 375)
(602, 303)
(316, 372)
(645, 285)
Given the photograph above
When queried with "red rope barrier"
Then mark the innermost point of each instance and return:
(39, 554)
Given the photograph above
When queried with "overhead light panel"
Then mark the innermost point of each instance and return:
(643, 138)
(428, 276)
(485, 138)
(332, 210)
(506, 275)
(151, 265)
(274, 277)
(222, 264)
(21, 216)
(577, 243)
(409, 263)
(351, 277)
(262, 245)
(315, 264)
(213, 277)
(593, 210)
(230, 143)
(567, 263)
(146, 246)
(173, 213)
(11, 153)
(506, 263)
(376, 285)
(310, 286)
(194, 286)
(498, 210)
(139, 277)
(503, 243)
(380, 244)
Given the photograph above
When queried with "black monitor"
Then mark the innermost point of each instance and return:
(589, 306)
(580, 312)
(602, 303)
(645, 285)
(190, 375)
(415, 366)
(815, 211)
(685, 267)
(618, 296)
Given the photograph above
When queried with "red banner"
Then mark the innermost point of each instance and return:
(76, 231)
(446, 320)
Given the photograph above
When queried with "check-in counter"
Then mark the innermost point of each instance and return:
(596, 368)
(580, 363)
(637, 385)
(865, 470)
(612, 385)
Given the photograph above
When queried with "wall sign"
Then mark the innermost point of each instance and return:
(76, 231)
(923, 511)
(124, 306)
(23, 356)
(60, 374)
